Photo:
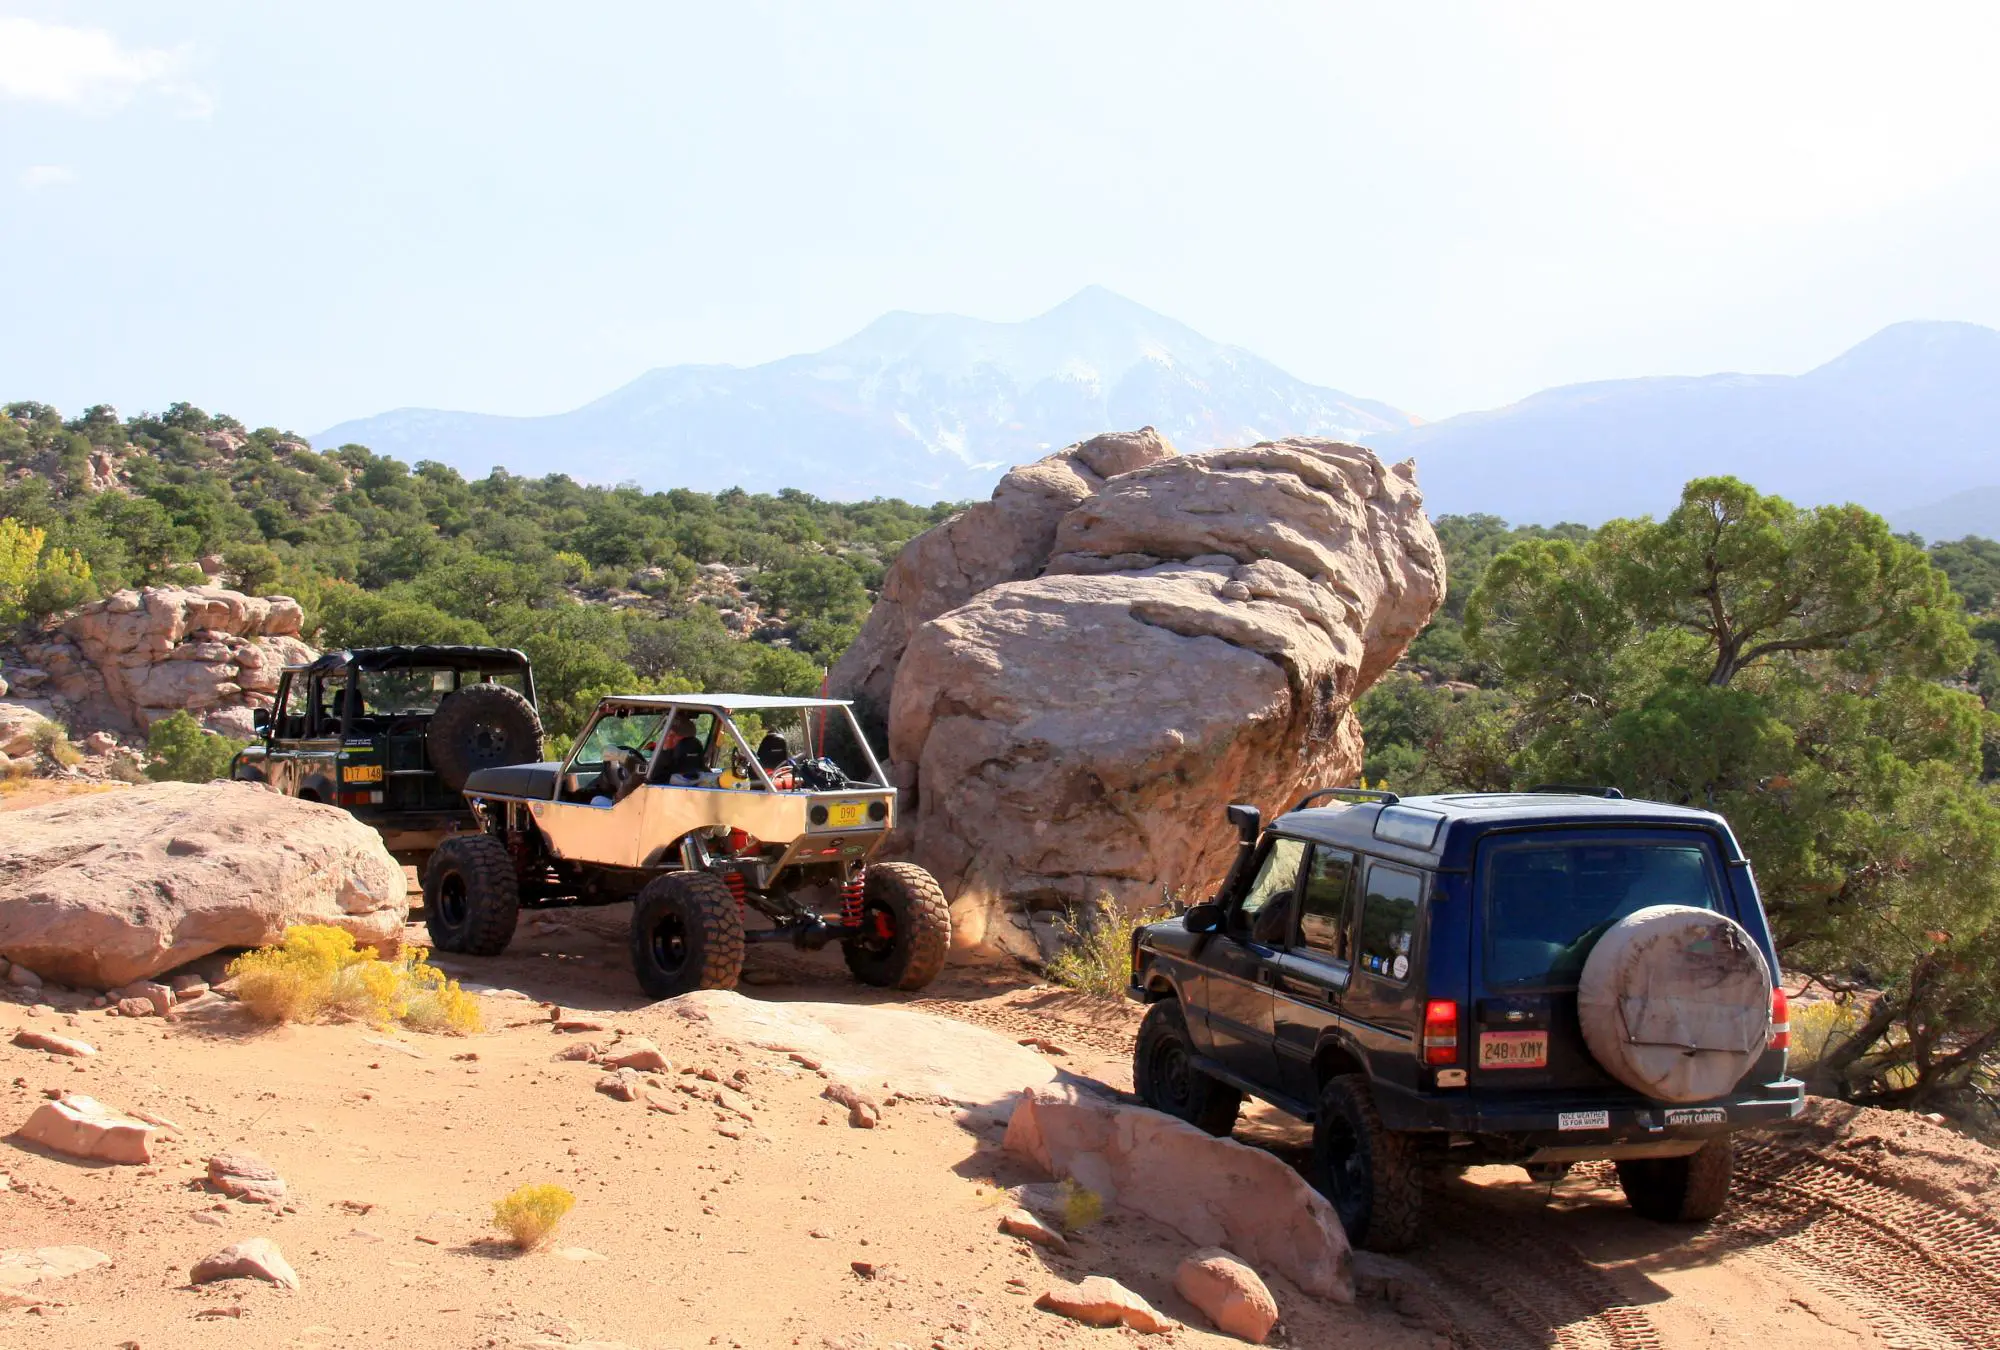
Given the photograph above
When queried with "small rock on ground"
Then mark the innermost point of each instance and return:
(637, 1053)
(84, 1127)
(862, 1112)
(1100, 1301)
(246, 1176)
(28, 1038)
(1229, 1293)
(1024, 1225)
(253, 1258)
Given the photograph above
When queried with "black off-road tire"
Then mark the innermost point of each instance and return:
(1690, 1189)
(471, 896)
(482, 726)
(1164, 1074)
(687, 934)
(1372, 1176)
(908, 901)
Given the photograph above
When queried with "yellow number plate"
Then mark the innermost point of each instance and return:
(846, 815)
(362, 773)
(1513, 1049)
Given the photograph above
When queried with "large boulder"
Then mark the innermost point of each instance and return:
(1008, 538)
(105, 889)
(1192, 630)
(137, 656)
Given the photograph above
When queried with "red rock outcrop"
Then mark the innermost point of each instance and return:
(136, 656)
(1084, 670)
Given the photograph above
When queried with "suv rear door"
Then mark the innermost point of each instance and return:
(1540, 900)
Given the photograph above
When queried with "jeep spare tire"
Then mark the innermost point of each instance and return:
(1676, 1002)
(482, 726)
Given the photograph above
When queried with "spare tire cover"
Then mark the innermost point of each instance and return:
(1676, 1002)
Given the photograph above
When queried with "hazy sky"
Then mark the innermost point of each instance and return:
(300, 214)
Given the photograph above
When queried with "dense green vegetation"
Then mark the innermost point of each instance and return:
(379, 551)
(1827, 686)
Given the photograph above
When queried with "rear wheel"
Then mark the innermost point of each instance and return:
(1370, 1173)
(687, 934)
(1167, 1080)
(471, 896)
(1690, 1189)
(905, 928)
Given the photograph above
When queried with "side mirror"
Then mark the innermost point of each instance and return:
(1205, 917)
(1248, 820)
(260, 719)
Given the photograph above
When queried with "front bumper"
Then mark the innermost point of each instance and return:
(1564, 1122)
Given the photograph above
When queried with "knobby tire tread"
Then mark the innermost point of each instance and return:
(492, 895)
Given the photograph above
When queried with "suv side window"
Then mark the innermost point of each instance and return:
(292, 721)
(1323, 915)
(1266, 912)
(1387, 927)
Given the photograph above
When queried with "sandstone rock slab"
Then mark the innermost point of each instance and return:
(24, 1269)
(83, 1127)
(247, 1177)
(1214, 1192)
(914, 1053)
(1229, 1293)
(102, 890)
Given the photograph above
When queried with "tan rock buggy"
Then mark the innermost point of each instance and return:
(704, 809)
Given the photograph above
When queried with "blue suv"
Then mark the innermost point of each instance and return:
(1541, 978)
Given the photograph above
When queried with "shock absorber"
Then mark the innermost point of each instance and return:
(737, 886)
(850, 898)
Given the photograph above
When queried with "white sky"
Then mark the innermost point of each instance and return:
(300, 214)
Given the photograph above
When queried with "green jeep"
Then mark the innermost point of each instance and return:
(392, 733)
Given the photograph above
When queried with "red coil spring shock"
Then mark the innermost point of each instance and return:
(737, 886)
(850, 899)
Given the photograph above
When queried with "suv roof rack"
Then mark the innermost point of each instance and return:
(1366, 794)
(1580, 790)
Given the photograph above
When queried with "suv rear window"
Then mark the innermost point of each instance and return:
(1546, 903)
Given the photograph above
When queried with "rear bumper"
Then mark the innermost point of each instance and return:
(1565, 1123)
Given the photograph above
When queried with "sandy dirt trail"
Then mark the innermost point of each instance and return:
(737, 1221)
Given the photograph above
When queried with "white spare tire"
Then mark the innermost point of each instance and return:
(1676, 1002)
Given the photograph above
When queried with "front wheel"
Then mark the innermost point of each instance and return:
(687, 934)
(1369, 1173)
(1689, 1189)
(1164, 1073)
(471, 895)
(905, 928)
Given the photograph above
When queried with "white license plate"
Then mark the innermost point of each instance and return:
(1513, 1049)
(1584, 1120)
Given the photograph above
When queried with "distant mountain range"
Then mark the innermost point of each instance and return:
(1907, 423)
(936, 407)
(926, 407)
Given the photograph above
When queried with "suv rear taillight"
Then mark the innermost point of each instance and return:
(1781, 1021)
(1440, 1032)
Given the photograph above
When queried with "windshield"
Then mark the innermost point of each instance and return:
(1546, 903)
(618, 729)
